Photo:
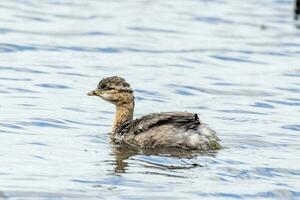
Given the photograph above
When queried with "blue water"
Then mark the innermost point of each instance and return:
(236, 63)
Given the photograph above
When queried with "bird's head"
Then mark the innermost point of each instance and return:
(114, 90)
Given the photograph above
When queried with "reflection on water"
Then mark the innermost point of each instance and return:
(156, 158)
(297, 9)
(236, 63)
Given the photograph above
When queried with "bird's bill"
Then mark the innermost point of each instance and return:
(94, 93)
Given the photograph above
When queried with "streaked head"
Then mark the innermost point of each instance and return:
(114, 90)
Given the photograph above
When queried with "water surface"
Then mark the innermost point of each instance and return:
(236, 63)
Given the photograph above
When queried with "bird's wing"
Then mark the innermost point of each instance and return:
(183, 120)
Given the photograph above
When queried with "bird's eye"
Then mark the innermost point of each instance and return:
(104, 87)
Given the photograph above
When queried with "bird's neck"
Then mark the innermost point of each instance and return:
(124, 113)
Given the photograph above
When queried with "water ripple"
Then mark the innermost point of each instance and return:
(54, 86)
(295, 127)
(227, 58)
(21, 69)
(46, 123)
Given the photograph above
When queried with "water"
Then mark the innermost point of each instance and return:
(236, 63)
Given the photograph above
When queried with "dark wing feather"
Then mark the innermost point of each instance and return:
(183, 120)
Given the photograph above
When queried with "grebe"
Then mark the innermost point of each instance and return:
(155, 130)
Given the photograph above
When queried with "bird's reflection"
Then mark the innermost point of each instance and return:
(297, 9)
(123, 153)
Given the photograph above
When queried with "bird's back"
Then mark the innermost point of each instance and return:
(168, 129)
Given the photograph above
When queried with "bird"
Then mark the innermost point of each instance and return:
(155, 130)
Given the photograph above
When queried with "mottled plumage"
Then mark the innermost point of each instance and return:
(167, 129)
(114, 82)
(181, 120)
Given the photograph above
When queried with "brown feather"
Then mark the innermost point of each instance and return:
(183, 120)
